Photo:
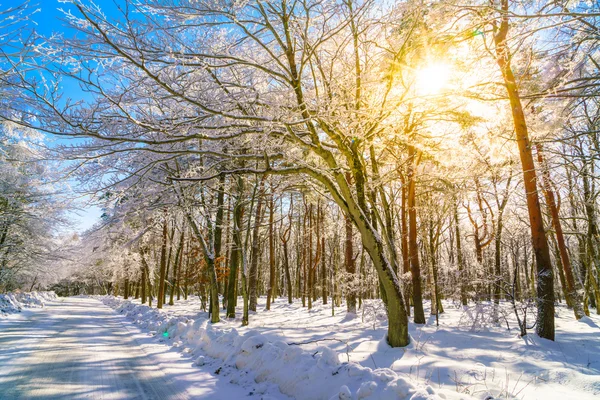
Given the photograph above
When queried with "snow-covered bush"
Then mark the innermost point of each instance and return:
(374, 312)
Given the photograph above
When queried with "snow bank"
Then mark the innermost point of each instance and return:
(9, 304)
(14, 302)
(298, 373)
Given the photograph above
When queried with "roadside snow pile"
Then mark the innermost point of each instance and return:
(11, 303)
(35, 299)
(298, 373)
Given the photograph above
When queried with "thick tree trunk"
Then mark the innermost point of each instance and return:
(545, 276)
(396, 311)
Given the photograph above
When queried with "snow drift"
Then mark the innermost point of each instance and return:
(298, 373)
(14, 302)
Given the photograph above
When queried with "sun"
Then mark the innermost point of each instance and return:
(432, 79)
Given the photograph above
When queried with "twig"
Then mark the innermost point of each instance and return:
(322, 340)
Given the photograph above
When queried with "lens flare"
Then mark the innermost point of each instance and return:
(432, 79)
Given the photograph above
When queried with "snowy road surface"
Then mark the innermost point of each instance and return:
(78, 348)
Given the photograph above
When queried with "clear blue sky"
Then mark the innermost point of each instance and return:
(47, 21)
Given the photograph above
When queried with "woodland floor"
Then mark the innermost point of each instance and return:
(463, 354)
(80, 348)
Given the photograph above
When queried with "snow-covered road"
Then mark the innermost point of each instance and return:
(78, 348)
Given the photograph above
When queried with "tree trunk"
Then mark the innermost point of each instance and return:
(238, 216)
(285, 237)
(163, 263)
(219, 223)
(143, 284)
(413, 247)
(168, 269)
(435, 301)
(545, 277)
(303, 245)
(227, 253)
(253, 272)
(177, 266)
(209, 259)
(459, 259)
(323, 272)
(396, 311)
(147, 274)
(350, 265)
(571, 290)
(404, 243)
(271, 251)
(311, 231)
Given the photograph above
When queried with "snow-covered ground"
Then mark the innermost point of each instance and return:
(290, 347)
(77, 348)
(14, 302)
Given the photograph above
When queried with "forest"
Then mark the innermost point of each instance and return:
(326, 154)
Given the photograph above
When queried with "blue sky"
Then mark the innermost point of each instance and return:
(47, 21)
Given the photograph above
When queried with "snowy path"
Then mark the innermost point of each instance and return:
(78, 348)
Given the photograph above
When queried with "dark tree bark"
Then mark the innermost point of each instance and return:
(571, 291)
(163, 263)
(413, 247)
(146, 270)
(143, 284)
(253, 271)
(545, 275)
(284, 236)
(177, 266)
(459, 258)
(271, 251)
(238, 216)
(349, 263)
